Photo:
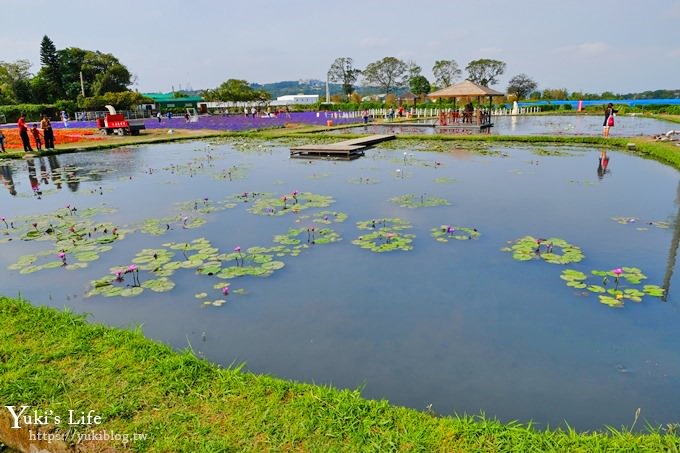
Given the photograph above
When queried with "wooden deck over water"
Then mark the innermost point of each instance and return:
(344, 150)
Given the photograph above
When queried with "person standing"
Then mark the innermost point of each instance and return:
(158, 115)
(23, 132)
(608, 119)
(48, 133)
(36, 137)
(2, 142)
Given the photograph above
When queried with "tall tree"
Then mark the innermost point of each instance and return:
(235, 90)
(386, 73)
(102, 72)
(521, 86)
(412, 70)
(485, 71)
(445, 72)
(343, 71)
(50, 71)
(15, 81)
(419, 86)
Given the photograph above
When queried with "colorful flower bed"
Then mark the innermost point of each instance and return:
(241, 123)
(61, 136)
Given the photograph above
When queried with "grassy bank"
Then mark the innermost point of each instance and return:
(57, 361)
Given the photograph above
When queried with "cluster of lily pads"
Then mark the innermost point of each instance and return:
(552, 250)
(613, 287)
(76, 239)
(445, 233)
(385, 235)
(419, 201)
(293, 202)
(159, 264)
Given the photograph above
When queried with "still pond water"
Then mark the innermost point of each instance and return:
(459, 324)
(626, 126)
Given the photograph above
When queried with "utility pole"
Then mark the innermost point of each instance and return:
(328, 91)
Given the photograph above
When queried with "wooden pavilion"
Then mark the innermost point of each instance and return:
(468, 120)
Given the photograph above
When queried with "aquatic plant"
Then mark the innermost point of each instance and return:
(419, 201)
(551, 250)
(445, 233)
(385, 235)
(627, 281)
(277, 206)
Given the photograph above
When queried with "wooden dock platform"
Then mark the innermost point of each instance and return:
(344, 150)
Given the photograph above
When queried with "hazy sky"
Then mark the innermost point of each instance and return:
(594, 46)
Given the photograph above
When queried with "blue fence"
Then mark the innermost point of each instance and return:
(586, 103)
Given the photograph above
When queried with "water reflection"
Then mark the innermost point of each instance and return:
(32, 177)
(602, 163)
(8, 179)
(673, 251)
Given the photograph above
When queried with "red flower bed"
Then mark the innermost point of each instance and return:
(61, 136)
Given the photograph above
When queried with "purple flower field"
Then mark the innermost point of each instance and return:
(233, 122)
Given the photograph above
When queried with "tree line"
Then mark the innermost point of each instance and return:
(391, 73)
(70, 76)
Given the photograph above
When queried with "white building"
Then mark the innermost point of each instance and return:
(297, 99)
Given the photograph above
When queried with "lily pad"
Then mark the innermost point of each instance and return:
(385, 235)
(132, 291)
(419, 201)
(445, 233)
(551, 250)
(159, 285)
(289, 203)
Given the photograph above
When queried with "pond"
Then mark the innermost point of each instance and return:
(412, 274)
(626, 126)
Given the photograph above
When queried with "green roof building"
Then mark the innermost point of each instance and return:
(165, 101)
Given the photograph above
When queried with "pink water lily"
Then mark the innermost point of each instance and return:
(237, 249)
(225, 290)
(618, 271)
(132, 268)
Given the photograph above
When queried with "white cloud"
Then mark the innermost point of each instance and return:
(372, 42)
(585, 49)
(490, 51)
(674, 53)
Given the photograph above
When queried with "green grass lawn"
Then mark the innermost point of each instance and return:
(52, 360)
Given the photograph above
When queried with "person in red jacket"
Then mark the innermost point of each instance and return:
(23, 132)
(36, 137)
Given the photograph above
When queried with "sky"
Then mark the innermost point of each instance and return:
(622, 46)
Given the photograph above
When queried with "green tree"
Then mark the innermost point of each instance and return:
(521, 85)
(102, 72)
(555, 93)
(343, 71)
(485, 71)
(234, 90)
(412, 70)
(15, 81)
(50, 72)
(445, 72)
(419, 85)
(386, 73)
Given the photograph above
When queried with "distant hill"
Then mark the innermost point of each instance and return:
(656, 94)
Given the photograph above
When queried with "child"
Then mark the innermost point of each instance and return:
(36, 137)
